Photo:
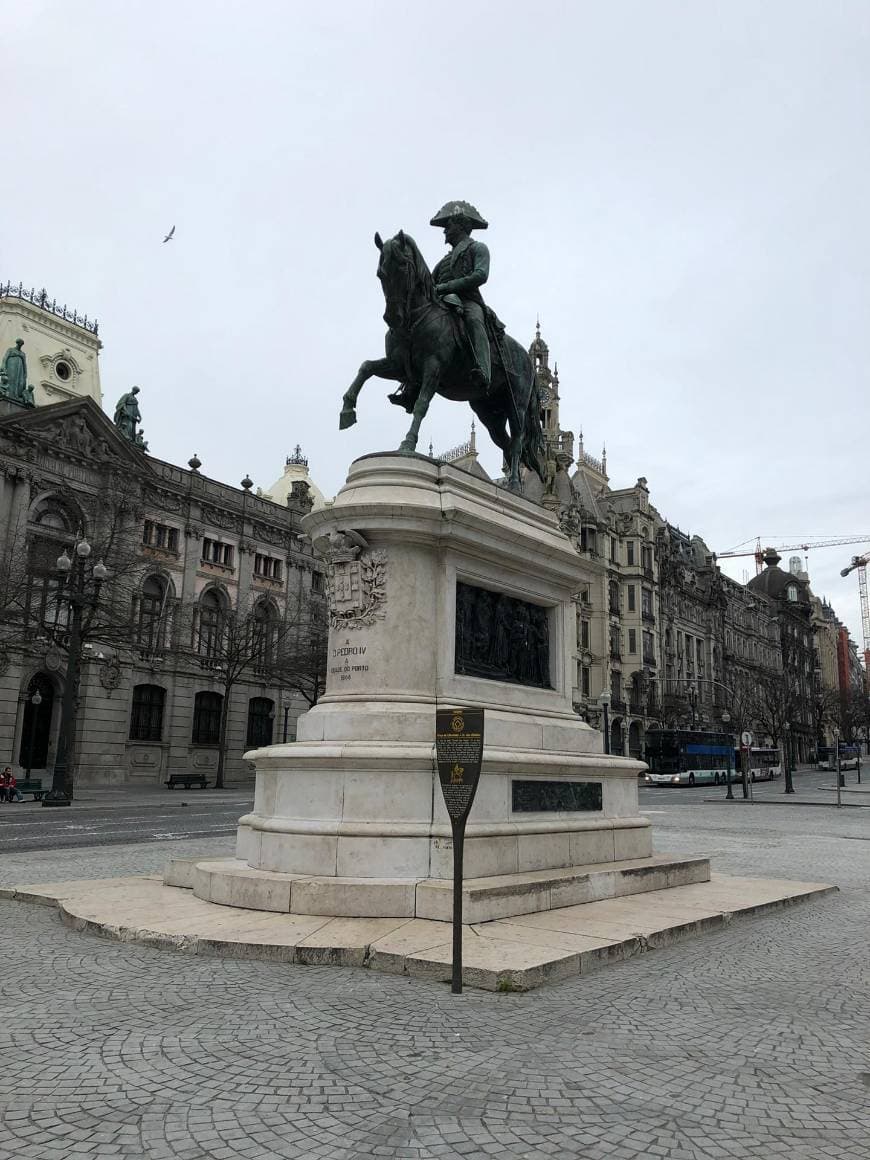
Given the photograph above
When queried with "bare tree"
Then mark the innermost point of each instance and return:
(301, 661)
(255, 640)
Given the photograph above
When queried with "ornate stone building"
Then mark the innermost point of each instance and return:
(188, 555)
(60, 345)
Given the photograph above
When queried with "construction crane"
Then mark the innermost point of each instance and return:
(811, 542)
(859, 565)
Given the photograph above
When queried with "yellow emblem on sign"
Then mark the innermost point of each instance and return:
(456, 774)
(457, 724)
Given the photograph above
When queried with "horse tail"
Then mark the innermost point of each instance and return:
(534, 446)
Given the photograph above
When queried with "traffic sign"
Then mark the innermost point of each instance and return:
(746, 738)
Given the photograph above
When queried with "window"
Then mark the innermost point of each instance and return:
(152, 605)
(646, 558)
(160, 536)
(614, 549)
(584, 634)
(316, 581)
(207, 718)
(629, 552)
(632, 598)
(646, 603)
(632, 641)
(648, 646)
(216, 552)
(267, 567)
(613, 596)
(62, 370)
(146, 716)
(263, 633)
(211, 624)
(584, 681)
(261, 718)
(615, 641)
(616, 686)
(791, 592)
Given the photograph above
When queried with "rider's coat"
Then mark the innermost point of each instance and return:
(464, 270)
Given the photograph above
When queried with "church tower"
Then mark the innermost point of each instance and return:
(60, 345)
(560, 444)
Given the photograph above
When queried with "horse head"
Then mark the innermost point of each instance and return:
(404, 277)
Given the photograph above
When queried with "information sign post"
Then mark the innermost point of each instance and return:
(459, 751)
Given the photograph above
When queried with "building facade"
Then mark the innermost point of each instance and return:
(204, 582)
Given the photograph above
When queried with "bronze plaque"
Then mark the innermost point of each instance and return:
(459, 748)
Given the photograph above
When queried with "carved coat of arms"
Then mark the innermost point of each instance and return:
(357, 580)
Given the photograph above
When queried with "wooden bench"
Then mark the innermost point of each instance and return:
(32, 785)
(187, 780)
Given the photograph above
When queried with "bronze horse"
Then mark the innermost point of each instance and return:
(426, 349)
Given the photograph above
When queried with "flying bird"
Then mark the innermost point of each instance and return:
(168, 237)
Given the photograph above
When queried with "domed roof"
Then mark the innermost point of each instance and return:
(773, 581)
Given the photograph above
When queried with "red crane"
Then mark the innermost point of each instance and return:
(859, 565)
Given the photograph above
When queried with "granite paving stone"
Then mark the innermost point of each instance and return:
(750, 1043)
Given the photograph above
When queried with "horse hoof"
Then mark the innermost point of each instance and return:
(347, 418)
(407, 446)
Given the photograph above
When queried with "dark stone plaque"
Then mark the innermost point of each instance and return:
(459, 748)
(501, 638)
(551, 796)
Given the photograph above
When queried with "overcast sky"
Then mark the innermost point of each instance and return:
(681, 191)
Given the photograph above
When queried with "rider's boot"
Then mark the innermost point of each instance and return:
(480, 375)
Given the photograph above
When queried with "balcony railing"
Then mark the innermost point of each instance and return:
(618, 705)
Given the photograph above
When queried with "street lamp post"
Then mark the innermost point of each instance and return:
(729, 795)
(789, 783)
(35, 700)
(73, 574)
(604, 702)
(693, 702)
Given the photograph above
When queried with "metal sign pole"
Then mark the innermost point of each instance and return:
(459, 751)
(458, 850)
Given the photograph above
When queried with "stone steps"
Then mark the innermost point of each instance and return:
(516, 953)
(231, 882)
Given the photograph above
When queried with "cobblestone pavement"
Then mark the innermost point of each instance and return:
(749, 1042)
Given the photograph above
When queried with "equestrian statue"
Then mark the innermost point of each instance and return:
(442, 339)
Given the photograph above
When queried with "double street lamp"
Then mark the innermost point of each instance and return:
(74, 575)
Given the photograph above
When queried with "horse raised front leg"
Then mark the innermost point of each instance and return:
(427, 392)
(382, 368)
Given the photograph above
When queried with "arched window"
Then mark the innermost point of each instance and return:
(211, 624)
(264, 625)
(146, 715)
(792, 592)
(152, 608)
(261, 720)
(207, 718)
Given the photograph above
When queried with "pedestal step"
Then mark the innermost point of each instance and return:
(512, 954)
(233, 883)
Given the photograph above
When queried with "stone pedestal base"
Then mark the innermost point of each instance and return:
(355, 805)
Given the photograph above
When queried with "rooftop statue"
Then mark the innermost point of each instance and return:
(128, 415)
(13, 375)
(443, 339)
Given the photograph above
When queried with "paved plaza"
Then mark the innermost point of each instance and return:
(748, 1042)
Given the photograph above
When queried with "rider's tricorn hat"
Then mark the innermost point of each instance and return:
(462, 209)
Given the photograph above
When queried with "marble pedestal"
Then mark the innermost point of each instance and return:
(355, 802)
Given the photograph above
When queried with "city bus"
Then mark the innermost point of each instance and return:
(688, 757)
(764, 764)
(849, 755)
